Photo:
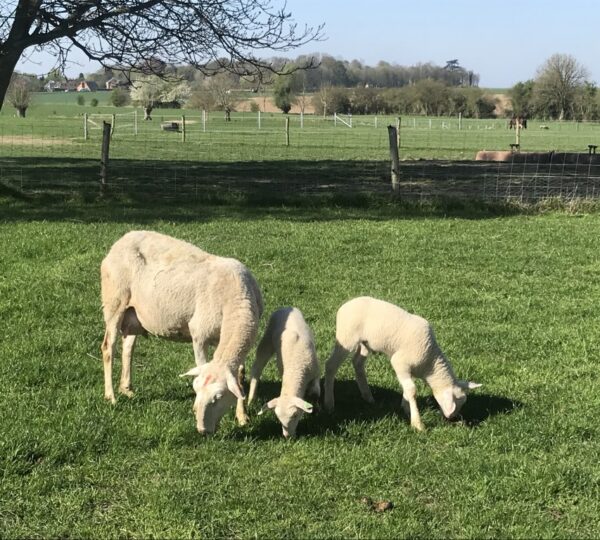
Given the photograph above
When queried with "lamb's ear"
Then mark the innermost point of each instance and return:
(194, 372)
(468, 385)
(301, 404)
(233, 385)
(269, 405)
(446, 401)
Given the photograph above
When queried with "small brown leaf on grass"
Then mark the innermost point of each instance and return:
(377, 506)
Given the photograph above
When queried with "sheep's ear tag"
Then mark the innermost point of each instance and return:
(468, 385)
(303, 405)
(308, 407)
(270, 405)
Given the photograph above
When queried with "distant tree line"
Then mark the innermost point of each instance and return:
(560, 90)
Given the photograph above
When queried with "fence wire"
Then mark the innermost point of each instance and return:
(194, 156)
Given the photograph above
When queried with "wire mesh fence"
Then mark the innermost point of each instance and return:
(184, 154)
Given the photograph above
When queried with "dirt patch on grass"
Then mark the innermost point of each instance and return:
(24, 140)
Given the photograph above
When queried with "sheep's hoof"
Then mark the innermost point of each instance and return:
(419, 427)
(110, 398)
(369, 399)
(243, 419)
(126, 392)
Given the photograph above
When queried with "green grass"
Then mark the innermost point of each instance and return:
(513, 299)
(54, 127)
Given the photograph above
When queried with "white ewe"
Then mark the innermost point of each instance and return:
(291, 340)
(152, 283)
(366, 325)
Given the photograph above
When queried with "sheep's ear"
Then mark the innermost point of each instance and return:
(301, 404)
(446, 401)
(233, 385)
(269, 405)
(468, 385)
(194, 372)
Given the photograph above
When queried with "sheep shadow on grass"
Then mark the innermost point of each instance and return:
(350, 408)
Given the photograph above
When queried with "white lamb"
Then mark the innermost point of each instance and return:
(290, 338)
(366, 325)
(152, 283)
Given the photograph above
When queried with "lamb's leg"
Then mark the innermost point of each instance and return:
(128, 347)
(331, 367)
(409, 392)
(264, 351)
(358, 361)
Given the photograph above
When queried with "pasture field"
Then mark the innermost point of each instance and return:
(54, 127)
(513, 299)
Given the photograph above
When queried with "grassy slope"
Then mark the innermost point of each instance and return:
(514, 304)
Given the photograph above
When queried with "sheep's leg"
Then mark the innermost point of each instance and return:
(409, 392)
(264, 351)
(238, 331)
(240, 410)
(128, 347)
(313, 393)
(331, 367)
(108, 352)
(200, 351)
(358, 361)
(314, 390)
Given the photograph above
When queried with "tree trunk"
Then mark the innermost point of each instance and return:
(147, 113)
(21, 111)
(8, 61)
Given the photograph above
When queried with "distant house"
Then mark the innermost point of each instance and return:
(113, 83)
(87, 86)
(54, 86)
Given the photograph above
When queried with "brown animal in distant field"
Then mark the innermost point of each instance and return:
(517, 122)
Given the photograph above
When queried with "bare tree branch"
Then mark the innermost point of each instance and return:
(146, 35)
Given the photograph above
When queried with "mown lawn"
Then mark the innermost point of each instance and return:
(513, 299)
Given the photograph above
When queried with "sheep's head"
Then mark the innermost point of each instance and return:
(452, 398)
(216, 389)
(289, 411)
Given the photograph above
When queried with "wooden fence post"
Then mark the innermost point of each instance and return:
(395, 157)
(183, 129)
(135, 124)
(112, 126)
(85, 126)
(398, 126)
(106, 128)
(287, 130)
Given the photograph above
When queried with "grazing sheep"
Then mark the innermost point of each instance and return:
(152, 283)
(366, 325)
(289, 337)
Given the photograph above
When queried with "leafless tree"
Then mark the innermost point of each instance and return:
(556, 84)
(144, 35)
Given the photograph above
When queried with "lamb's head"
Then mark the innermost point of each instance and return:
(216, 389)
(289, 411)
(451, 398)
